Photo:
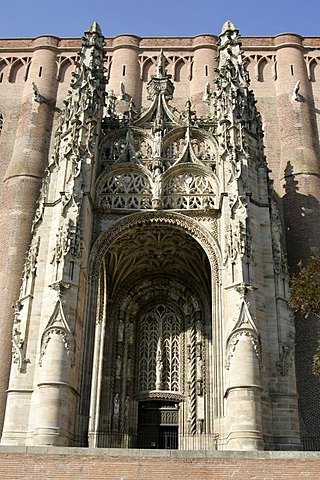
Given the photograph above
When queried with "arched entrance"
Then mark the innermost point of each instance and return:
(154, 355)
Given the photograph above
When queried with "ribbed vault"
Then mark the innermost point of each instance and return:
(152, 252)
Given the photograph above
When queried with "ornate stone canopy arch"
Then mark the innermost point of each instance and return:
(206, 239)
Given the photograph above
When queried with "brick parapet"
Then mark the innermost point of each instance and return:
(175, 42)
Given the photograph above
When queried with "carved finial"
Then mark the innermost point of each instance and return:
(93, 38)
(95, 28)
(188, 111)
(229, 37)
(161, 65)
(160, 82)
(228, 26)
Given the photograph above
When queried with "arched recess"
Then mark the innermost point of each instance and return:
(181, 70)
(64, 70)
(155, 298)
(3, 64)
(17, 71)
(313, 68)
(148, 69)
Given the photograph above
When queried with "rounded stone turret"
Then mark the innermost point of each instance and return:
(299, 177)
(299, 166)
(22, 184)
(205, 54)
(125, 70)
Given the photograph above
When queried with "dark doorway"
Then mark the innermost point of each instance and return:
(158, 425)
(169, 437)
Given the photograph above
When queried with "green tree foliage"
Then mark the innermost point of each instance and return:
(305, 297)
(305, 288)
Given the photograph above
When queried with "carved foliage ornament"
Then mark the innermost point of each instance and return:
(18, 342)
(279, 255)
(22, 306)
(30, 264)
(68, 241)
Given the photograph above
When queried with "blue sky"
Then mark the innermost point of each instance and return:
(70, 18)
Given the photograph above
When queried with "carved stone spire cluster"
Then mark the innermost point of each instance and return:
(234, 102)
(67, 178)
(76, 141)
(240, 138)
(85, 99)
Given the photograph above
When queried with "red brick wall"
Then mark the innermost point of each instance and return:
(236, 465)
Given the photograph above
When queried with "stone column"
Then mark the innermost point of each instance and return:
(55, 397)
(244, 393)
(21, 187)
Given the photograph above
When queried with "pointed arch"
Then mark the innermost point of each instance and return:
(16, 71)
(3, 67)
(148, 68)
(206, 239)
(266, 69)
(314, 68)
(181, 70)
(64, 70)
(58, 325)
(244, 327)
(153, 294)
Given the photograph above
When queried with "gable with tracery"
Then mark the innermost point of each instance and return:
(158, 158)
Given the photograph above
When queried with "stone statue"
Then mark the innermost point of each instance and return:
(159, 374)
(161, 65)
(157, 144)
(156, 177)
(295, 94)
(159, 368)
(116, 405)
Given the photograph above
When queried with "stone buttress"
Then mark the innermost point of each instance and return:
(47, 328)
